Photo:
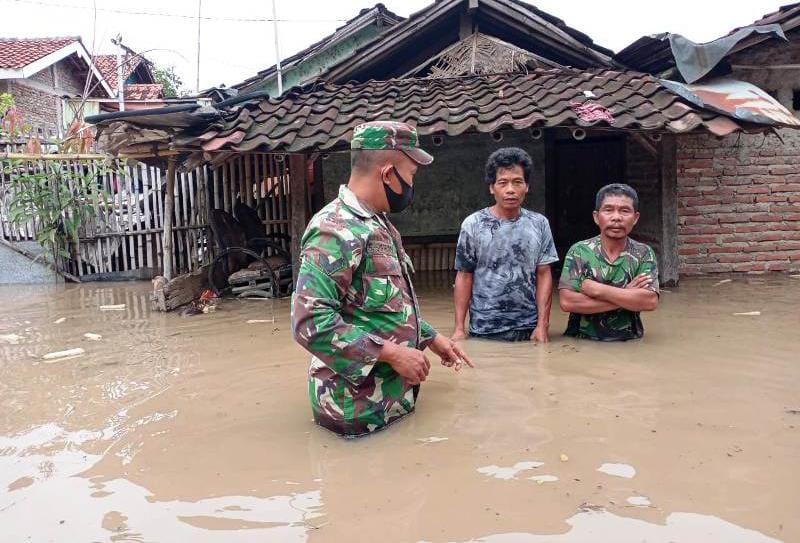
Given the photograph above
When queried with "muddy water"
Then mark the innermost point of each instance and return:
(198, 429)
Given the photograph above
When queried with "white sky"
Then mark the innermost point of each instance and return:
(231, 51)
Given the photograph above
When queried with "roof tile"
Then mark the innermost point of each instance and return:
(18, 53)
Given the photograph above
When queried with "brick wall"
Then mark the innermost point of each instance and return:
(38, 108)
(739, 203)
(69, 78)
(642, 173)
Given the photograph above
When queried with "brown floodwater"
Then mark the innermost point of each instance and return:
(165, 428)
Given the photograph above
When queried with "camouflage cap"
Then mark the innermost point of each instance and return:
(377, 135)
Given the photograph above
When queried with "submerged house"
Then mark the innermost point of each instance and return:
(738, 196)
(472, 75)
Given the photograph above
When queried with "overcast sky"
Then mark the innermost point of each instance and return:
(232, 50)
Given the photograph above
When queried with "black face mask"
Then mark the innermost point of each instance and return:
(398, 202)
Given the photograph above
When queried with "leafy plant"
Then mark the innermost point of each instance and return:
(56, 196)
(170, 81)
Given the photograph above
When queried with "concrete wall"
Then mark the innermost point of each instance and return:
(16, 268)
(453, 187)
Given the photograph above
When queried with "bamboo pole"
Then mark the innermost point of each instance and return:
(168, 209)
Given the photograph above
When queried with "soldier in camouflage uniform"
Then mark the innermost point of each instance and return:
(354, 307)
(609, 279)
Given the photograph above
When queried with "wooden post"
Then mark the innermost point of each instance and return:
(168, 210)
(297, 193)
(668, 172)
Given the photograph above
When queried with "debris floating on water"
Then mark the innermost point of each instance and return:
(541, 479)
(12, 339)
(62, 320)
(792, 410)
(510, 472)
(618, 470)
(748, 314)
(564, 457)
(639, 501)
(118, 307)
(432, 439)
(69, 353)
(261, 321)
(718, 283)
(92, 337)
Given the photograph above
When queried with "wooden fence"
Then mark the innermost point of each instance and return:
(124, 238)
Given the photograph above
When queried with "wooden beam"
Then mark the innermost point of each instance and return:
(668, 173)
(169, 206)
(297, 193)
(184, 289)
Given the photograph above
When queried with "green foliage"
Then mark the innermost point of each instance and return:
(6, 102)
(170, 81)
(56, 197)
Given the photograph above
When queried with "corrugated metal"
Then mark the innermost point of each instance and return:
(737, 99)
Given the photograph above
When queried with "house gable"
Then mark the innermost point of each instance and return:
(406, 48)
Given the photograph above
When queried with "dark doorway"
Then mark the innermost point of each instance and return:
(581, 168)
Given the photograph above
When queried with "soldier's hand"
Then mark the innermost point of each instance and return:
(451, 353)
(640, 281)
(411, 364)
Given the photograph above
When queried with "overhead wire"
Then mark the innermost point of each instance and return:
(173, 15)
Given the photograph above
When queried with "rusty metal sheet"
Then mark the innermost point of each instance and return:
(737, 99)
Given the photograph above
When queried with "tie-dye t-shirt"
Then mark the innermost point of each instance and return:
(503, 256)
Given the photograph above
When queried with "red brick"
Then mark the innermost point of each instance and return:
(778, 255)
(760, 247)
(733, 258)
(700, 259)
(753, 190)
(739, 238)
(689, 251)
(731, 217)
(701, 220)
(752, 228)
(762, 217)
(749, 267)
(693, 240)
(783, 170)
(790, 187)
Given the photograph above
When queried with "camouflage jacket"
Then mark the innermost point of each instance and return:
(353, 292)
(586, 260)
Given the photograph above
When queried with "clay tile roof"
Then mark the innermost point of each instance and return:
(107, 65)
(323, 115)
(18, 53)
(144, 91)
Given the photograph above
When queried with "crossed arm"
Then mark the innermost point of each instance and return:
(598, 298)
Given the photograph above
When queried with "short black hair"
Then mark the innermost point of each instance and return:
(616, 189)
(508, 157)
(365, 159)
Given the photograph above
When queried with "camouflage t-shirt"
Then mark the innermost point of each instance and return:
(503, 256)
(586, 260)
(353, 293)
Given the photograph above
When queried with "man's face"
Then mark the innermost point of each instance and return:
(406, 167)
(616, 217)
(509, 188)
